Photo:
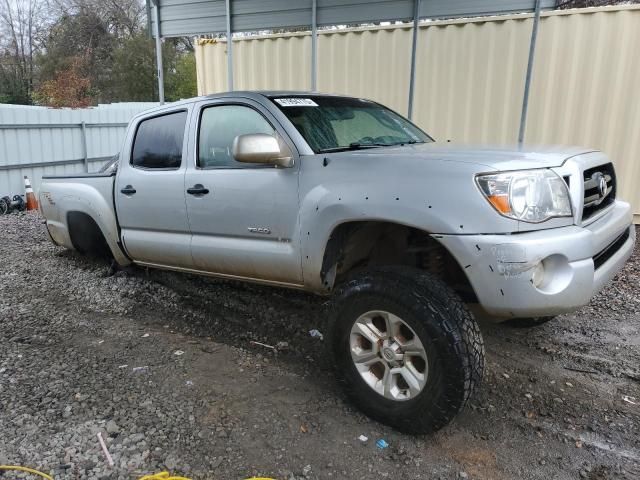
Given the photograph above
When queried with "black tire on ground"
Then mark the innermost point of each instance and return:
(86, 236)
(449, 333)
(530, 322)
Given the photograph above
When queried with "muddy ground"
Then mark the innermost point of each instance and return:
(163, 366)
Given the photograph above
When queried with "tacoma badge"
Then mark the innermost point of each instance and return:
(263, 230)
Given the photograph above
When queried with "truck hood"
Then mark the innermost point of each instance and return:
(490, 157)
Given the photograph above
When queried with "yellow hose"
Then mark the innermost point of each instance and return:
(155, 476)
(25, 469)
(166, 476)
(162, 476)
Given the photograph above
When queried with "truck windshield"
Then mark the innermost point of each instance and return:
(333, 124)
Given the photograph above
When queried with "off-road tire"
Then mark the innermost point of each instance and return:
(448, 331)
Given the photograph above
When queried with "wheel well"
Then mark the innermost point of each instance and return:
(357, 245)
(86, 235)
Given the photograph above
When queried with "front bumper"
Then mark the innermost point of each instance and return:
(546, 272)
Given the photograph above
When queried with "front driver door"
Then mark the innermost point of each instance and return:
(243, 217)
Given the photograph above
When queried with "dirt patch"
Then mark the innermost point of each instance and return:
(163, 365)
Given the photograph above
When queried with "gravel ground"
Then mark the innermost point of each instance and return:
(163, 366)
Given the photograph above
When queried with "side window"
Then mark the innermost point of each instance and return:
(158, 142)
(219, 126)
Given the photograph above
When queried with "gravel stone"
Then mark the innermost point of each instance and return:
(112, 427)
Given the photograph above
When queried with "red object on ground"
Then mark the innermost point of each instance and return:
(32, 202)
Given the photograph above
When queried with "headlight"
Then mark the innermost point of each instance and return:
(528, 195)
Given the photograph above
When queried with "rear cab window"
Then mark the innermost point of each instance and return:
(158, 142)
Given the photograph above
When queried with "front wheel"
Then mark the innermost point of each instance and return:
(407, 350)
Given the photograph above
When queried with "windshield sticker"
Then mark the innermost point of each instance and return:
(295, 102)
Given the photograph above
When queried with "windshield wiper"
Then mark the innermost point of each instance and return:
(390, 144)
(358, 146)
(352, 146)
(408, 142)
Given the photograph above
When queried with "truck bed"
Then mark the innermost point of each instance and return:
(86, 193)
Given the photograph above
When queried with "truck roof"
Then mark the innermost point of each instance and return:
(273, 93)
(252, 94)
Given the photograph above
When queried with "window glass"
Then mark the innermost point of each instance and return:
(219, 126)
(158, 142)
(111, 165)
(330, 124)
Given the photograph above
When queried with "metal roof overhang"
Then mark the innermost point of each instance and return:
(201, 17)
(177, 18)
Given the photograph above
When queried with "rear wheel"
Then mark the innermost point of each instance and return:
(86, 236)
(407, 350)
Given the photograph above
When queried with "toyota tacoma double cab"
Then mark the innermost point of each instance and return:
(341, 196)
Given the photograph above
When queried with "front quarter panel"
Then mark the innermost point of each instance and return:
(433, 195)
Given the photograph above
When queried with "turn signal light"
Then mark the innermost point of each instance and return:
(500, 202)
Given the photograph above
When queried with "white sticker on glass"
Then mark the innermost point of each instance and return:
(295, 102)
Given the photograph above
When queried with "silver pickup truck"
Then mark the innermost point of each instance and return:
(342, 196)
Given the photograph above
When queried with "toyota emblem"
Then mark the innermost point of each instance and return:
(601, 182)
(602, 186)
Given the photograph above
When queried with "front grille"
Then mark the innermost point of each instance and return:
(596, 195)
(601, 257)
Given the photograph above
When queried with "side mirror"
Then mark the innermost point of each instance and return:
(261, 148)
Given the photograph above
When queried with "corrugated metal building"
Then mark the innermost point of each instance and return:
(470, 77)
(35, 141)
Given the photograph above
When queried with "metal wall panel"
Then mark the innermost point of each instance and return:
(470, 77)
(273, 64)
(195, 17)
(254, 15)
(190, 17)
(211, 67)
(341, 12)
(371, 63)
(36, 135)
(472, 8)
(586, 88)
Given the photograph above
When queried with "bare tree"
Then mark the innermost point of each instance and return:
(125, 18)
(564, 4)
(21, 27)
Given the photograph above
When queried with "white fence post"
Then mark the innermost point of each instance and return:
(84, 146)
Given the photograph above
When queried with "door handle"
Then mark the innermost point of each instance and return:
(197, 190)
(128, 190)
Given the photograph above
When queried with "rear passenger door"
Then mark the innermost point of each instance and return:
(150, 193)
